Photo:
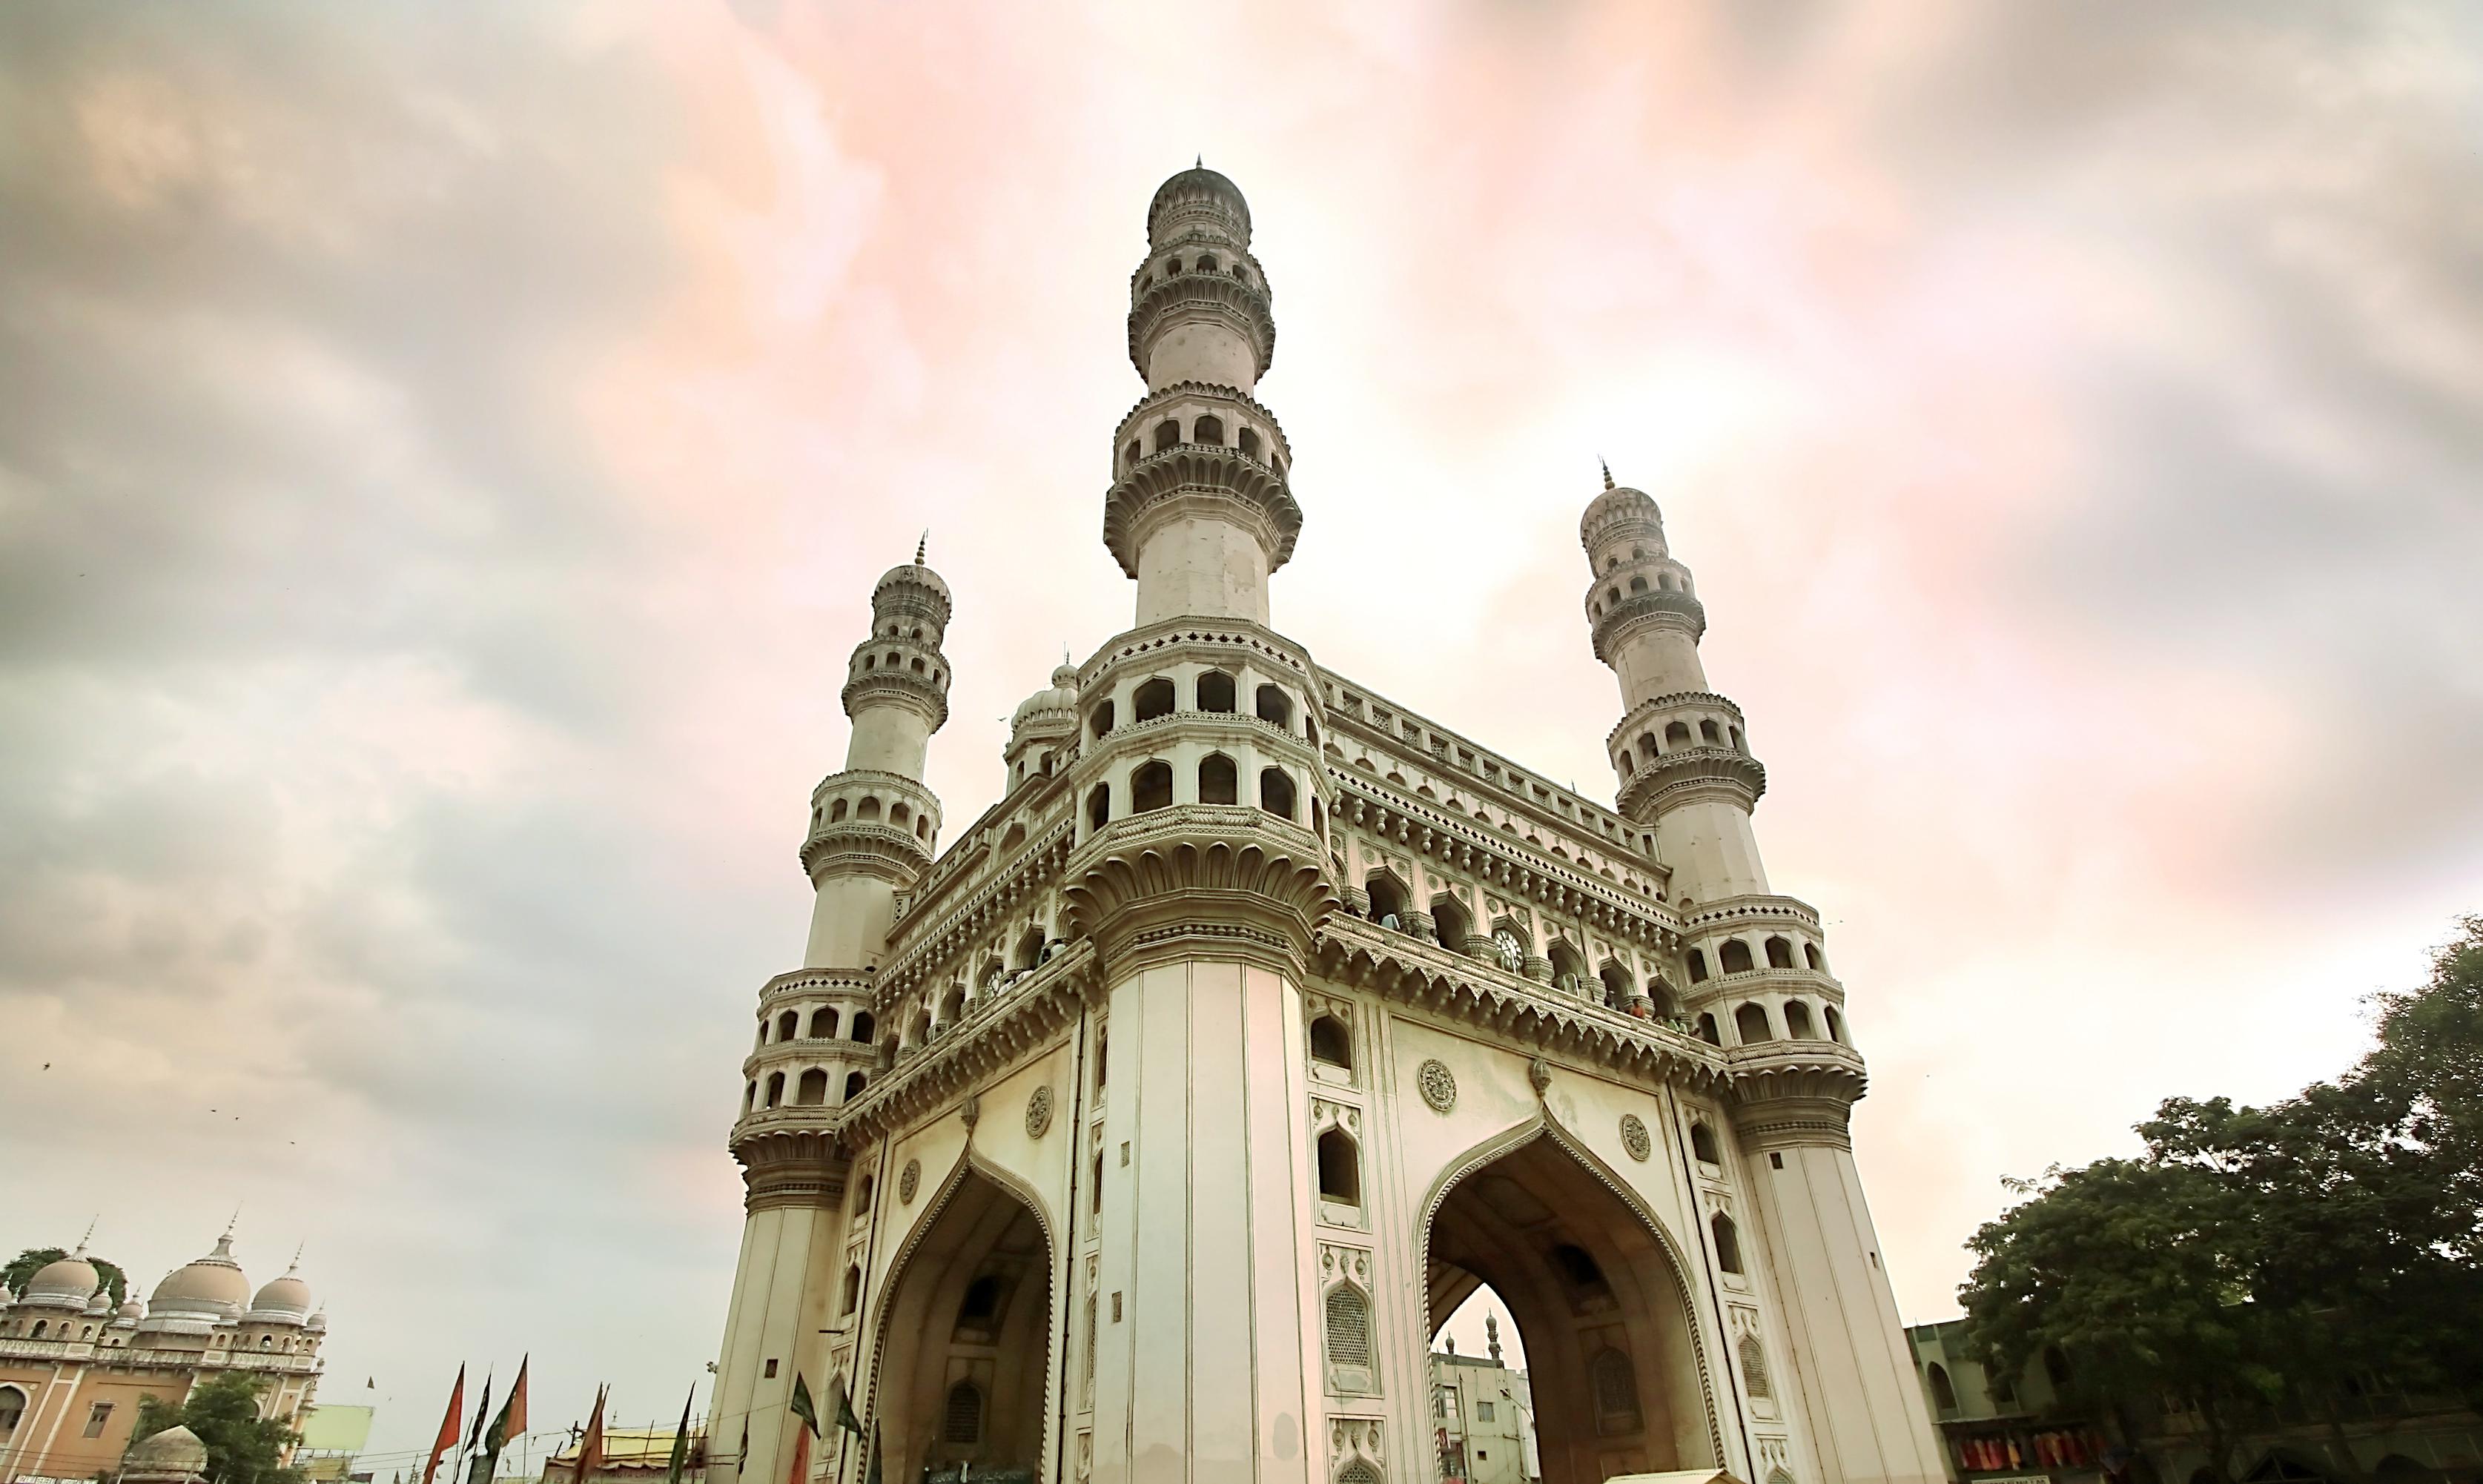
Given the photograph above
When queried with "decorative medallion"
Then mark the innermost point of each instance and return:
(1634, 1137)
(1440, 1088)
(1038, 1112)
(908, 1180)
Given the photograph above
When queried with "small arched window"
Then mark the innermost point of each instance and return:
(1101, 720)
(1167, 433)
(869, 809)
(1637, 585)
(1624, 759)
(776, 1089)
(900, 813)
(1708, 734)
(1751, 1025)
(1215, 691)
(812, 1089)
(1349, 1327)
(1811, 956)
(1153, 699)
(1734, 957)
(853, 1274)
(1099, 806)
(823, 1024)
(1944, 1390)
(1617, 986)
(1130, 455)
(1646, 747)
(1387, 899)
(1208, 430)
(1754, 1369)
(1702, 1143)
(837, 811)
(1272, 704)
(1340, 1168)
(1150, 787)
(1728, 1242)
(1276, 792)
(1779, 953)
(1450, 924)
(1697, 967)
(1676, 734)
(1219, 782)
(1616, 1385)
(1331, 1043)
(1798, 1025)
(789, 1024)
(863, 1026)
(1249, 440)
(855, 1082)
(1835, 1027)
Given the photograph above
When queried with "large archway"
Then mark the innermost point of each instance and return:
(1598, 1303)
(966, 1339)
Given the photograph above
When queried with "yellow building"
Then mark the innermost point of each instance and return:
(73, 1367)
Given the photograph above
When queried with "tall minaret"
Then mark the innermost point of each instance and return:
(1199, 512)
(1686, 769)
(1688, 777)
(872, 830)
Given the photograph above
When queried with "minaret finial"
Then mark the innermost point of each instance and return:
(1607, 470)
(295, 1265)
(922, 545)
(90, 1234)
(1199, 162)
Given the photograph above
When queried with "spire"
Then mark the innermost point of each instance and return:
(89, 1237)
(922, 545)
(295, 1265)
(1491, 1335)
(1607, 470)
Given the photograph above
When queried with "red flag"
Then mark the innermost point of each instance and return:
(801, 1474)
(512, 1420)
(590, 1445)
(448, 1426)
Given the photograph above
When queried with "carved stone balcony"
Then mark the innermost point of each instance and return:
(1207, 480)
(1195, 295)
(1200, 880)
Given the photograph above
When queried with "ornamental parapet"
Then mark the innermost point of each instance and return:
(813, 984)
(790, 1159)
(1199, 880)
(1512, 1009)
(997, 1034)
(1148, 410)
(1786, 1093)
(1207, 480)
(1691, 775)
(1655, 608)
(933, 929)
(1648, 715)
(1194, 294)
(925, 694)
(858, 847)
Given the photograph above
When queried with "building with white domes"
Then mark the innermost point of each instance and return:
(73, 1366)
(1151, 1125)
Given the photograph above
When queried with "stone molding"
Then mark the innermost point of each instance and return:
(1188, 638)
(1199, 880)
(1622, 511)
(1654, 608)
(919, 694)
(995, 901)
(1796, 1078)
(1638, 716)
(813, 984)
(997, 1035)
(1136, 418)
(1211, 481)
(1192, 294)
(790, 1168)
(865, 847)
(1693, 775)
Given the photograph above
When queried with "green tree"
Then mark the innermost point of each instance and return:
(243, 1447)
(34, 1259)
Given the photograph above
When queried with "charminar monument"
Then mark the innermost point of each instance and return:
(1148, 1125)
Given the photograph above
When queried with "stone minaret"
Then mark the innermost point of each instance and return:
(872, 832)
(1688, 780)
(1199, 512)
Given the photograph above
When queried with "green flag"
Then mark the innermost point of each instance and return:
(681, 1441)
(800, 1406)
(845, 1417)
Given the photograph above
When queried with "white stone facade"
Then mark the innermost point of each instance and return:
(1150, 1129)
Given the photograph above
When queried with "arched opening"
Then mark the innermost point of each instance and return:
(1218, 781)
(1697, 967)
(1274, 705)
(1248, 441)
(13, 1409)
(1707, 1031)
(966, 1326)
(1708, 734)
(823, 1023)
(1101, 720)
(1029, 949)
(1152, 700)
(1728, 1242)
(1811, 956)
(837, 811)
(900, 813)
(1779, 953)
(1637, 585)
(1617, 985)
(855, 1082)
(1099, 806)
(1167, 434)
(1276, 792)
(863, 1026)
(1646, 747)
(1568, 970)
(1702, 1143)
(1666, 1003)
(1150, 787)
(1835, 1027)
(776, 1089)
(1130, 455)
(1734, 957)
(1449, 920)
(1944, 1390)
(789, 1024)
(1340, 1169)
(853, 1289)
(1676, 734)
(1331, 1043)
(1208, 430)
(869, 809)
(1215, 691)
(812, 1089)
(1387, 900)
(1751, 1024)
(1798, 1026)
(1599, 1305)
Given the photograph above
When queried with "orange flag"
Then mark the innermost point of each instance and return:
(590, 1446)
(448, 1426)
(801, 1474)
(512, 1420)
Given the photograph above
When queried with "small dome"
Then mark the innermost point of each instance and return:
(71, 1279)
(284, 1301)
(132, 1309)
(212, 1285)
(99, 1301)
(1199, 184)
(1058, 704)
(914, 573)
(173, 1451)
(318, 1322)
(1618, 506)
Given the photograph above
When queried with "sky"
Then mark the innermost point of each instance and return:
(445, 451)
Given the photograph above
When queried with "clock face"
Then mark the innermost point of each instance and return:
(1513, 953)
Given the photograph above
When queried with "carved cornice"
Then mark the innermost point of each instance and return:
(1192, 294)
(865, 847)
(1515, 1011)
(1655, 608)
(1134, 421)
(1794, 1086)
(1199, 880)
(1693, 775)
(1638, 716)
(789, 1166)
(813, 984)
(927, 947)
(1199, 480)
(919, 694)
(999, 1032)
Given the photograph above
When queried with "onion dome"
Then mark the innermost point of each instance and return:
(318, 1324)
(1058, 703)
(99, 1301)
(285, 1300)
(172, 1453)
(1620, 508)
(1199, 192)
(209, 1288)
(132, 1310)
(69, 1282)
(915, 574)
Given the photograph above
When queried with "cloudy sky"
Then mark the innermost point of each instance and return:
(444, 452)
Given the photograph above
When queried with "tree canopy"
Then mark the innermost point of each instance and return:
(243, 1447)
(34, 1259)
(2250, 1255)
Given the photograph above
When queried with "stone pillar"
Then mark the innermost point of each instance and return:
(782, 1288)
(1851, 1372)
(1208, 1338)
